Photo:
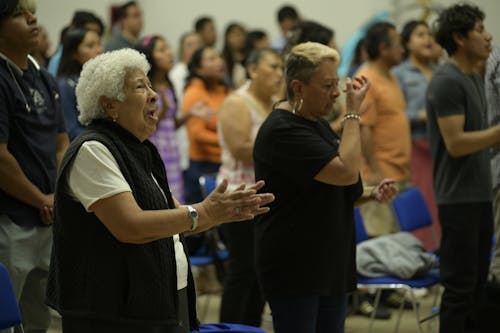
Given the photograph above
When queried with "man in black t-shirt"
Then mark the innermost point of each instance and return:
(456, 113)
(32, 142)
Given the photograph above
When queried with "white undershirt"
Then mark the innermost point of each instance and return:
(95, 175)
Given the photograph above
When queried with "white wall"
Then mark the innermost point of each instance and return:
(173, 18)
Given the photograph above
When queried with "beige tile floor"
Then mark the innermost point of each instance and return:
(354, 323)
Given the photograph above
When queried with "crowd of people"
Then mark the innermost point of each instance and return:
(103, 143)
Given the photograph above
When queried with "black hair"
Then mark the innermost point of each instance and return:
(358, 52)
(62, 34)
(201, 22)
(408, 29)
(227, 53)
(81, 18)
(309, 31)
(458, 19)
(146, 45)
(121, 12)
(252, 38)
(195, 64)
(79, 21)
(256, 56)
(7, 8)
(357, 60)
(287, 12)
(68, 65)
(377, 35)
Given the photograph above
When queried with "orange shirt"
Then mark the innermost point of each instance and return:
(383, 109)
(202, 134)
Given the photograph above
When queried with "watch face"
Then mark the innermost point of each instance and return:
(193, 213)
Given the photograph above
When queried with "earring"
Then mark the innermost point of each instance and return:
(297, 106)
(114, 117)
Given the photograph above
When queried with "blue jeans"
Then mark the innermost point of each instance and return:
(308, 314)
(192, 187)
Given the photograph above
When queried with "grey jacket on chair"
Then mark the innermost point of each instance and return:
(400, 254)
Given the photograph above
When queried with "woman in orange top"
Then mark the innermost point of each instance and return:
(204, 86)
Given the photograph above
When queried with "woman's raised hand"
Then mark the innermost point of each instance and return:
(244, 203)
(385, 191)
(355, 90)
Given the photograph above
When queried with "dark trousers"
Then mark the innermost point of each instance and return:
(308, 314)
(467, 230)
(242, 301)
(192, 187)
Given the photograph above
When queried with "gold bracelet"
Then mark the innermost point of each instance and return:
(352, 116)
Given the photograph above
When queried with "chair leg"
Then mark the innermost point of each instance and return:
(375, 307)
(416, 310)
(206, 306)
(430, 318)
(436, 295)
(400, 313)
(19, 329)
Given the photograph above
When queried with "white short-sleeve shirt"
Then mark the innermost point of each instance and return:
(95, 175)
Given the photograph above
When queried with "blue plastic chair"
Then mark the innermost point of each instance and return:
(412, 212)
(389, 282)
(228, 328)
(10, 316)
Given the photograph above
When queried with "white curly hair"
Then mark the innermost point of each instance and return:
(105, 75)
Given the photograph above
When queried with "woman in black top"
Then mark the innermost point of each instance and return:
(306, 243)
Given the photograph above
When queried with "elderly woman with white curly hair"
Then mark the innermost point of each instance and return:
(118, 261)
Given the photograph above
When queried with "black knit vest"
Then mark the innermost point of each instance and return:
(92, 274)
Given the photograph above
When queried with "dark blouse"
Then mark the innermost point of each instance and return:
(305, 245)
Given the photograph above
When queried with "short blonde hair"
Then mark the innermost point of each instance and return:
(304, 59)
(105, 75)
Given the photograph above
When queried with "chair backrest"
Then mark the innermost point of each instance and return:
(411, 210)
(10, 316)
(361, 234)
(208, 183)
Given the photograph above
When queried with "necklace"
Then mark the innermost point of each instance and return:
(9, 64)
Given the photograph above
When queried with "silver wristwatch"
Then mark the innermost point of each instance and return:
(193, 216)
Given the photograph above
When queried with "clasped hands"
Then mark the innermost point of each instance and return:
(46, 209)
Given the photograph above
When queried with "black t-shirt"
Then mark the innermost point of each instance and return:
(30, 120)
(305, 245)
(466, 178)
